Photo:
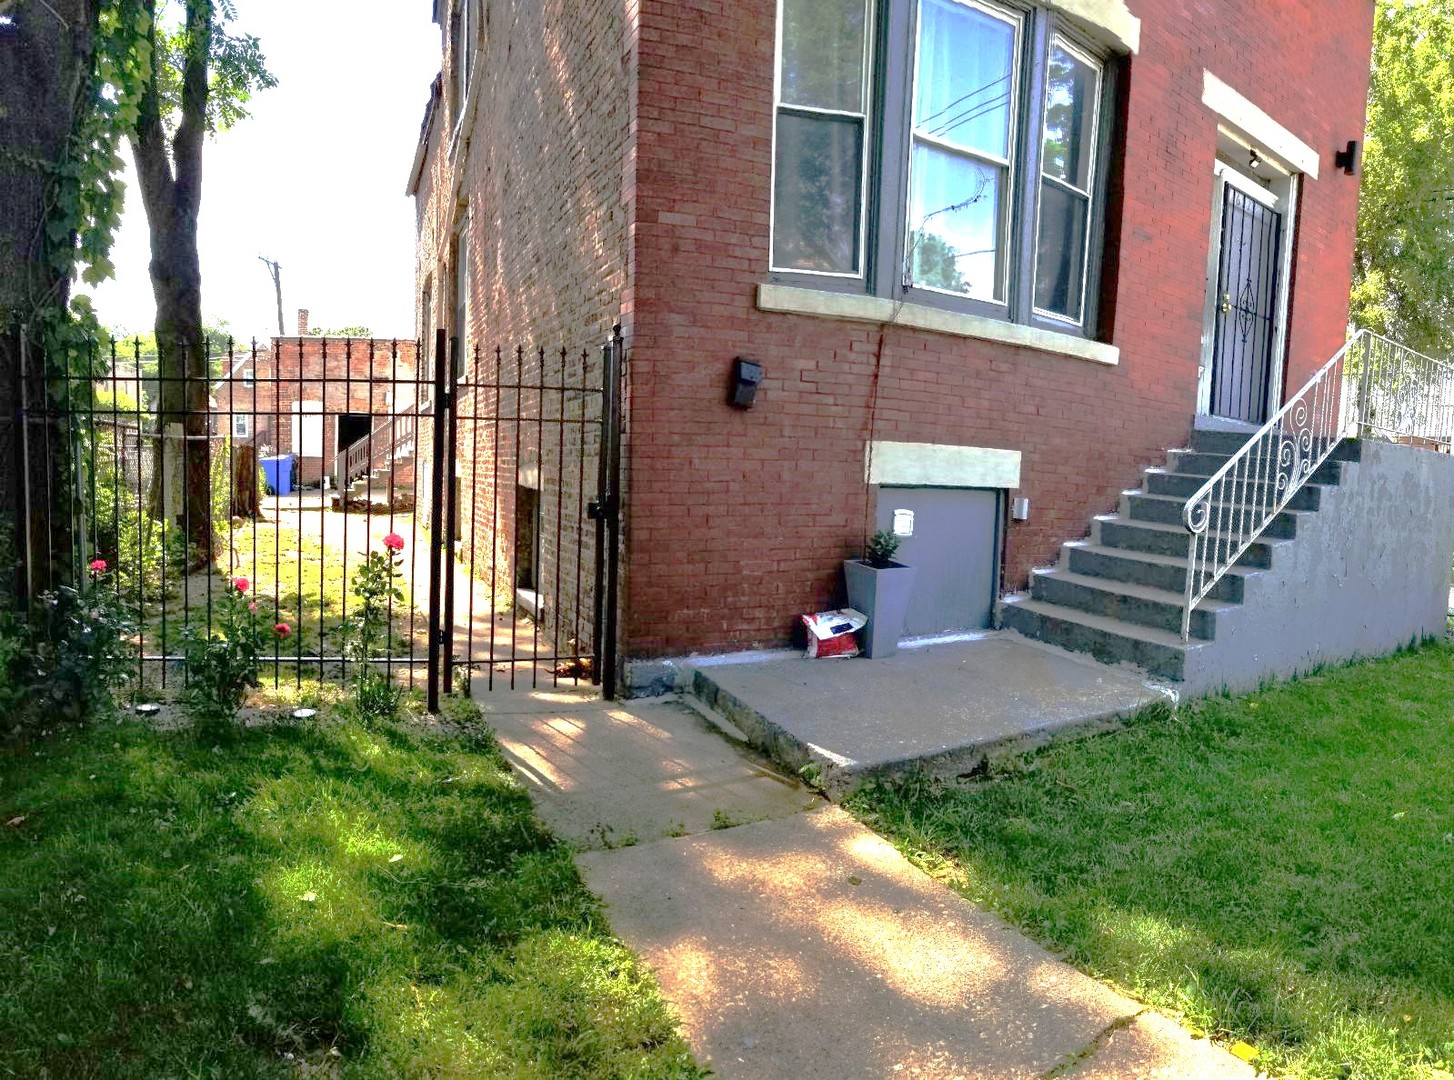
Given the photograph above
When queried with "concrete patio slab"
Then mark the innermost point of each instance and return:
(945, 707)
(607, 774)
(808, 947)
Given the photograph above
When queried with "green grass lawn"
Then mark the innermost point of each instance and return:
(1278, 868)
(296, 577)
(307, 901)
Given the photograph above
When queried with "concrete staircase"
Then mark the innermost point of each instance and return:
(390, 485)
(1118, 594)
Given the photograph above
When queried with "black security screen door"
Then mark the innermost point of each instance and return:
(1246, 306)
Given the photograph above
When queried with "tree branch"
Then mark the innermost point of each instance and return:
(187, 144)
(149, 142)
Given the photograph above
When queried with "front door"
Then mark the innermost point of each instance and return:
(1246, 300)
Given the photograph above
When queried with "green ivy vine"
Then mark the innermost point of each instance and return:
(85, 189)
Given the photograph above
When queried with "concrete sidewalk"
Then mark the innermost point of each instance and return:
(791, 940)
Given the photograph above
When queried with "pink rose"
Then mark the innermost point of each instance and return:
(252, 606)
(98, 566)
(394, 542)
(240, 584)
(282, 629)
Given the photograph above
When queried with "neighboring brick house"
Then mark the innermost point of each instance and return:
(310, 395)
(982, 249)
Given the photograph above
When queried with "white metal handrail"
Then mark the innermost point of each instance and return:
(1405, 395)
(1372, 384)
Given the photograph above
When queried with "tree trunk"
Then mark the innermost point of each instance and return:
(170, 179)
(45, 67)
(244, 484)
(182, 365)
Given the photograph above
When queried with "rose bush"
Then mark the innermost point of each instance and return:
(223, 661)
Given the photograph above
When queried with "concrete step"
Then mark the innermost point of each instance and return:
(1142, 605)
(1185, 485)
(1194, 463)
(1167, 510)
(1108, 640)
(1113, 530)
(1164, 572)
(1227, 443)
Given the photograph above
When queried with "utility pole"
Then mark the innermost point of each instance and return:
(275, 268)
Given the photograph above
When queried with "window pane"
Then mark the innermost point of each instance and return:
(823, 53)
(816, 194)
(1070, 105)
(965, 78)
(956, 208)
(1060, 254)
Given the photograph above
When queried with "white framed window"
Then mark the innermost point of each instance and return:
(241, 426)
(821, 127)
(962, 152)
(979, 184)
(461, 34)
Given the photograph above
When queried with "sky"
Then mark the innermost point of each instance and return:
(314, 178)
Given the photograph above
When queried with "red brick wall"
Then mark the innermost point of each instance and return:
(542, 173)
(736, 521)
(348, 376)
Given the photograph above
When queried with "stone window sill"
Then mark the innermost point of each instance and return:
(828, 305)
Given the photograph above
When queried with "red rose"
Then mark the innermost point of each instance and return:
(394, 542)
(240, 584)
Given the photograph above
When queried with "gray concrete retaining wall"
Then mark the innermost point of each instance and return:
(1368, 573)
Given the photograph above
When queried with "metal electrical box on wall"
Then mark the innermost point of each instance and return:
(903, 523)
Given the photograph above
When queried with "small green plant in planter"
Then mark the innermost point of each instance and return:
(880, 587)
(881, 548)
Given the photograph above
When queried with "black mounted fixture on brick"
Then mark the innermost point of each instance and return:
(1347, 158)
(746, 378)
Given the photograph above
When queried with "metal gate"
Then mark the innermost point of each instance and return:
(316, 451)
(1246, 307)
(531, 502)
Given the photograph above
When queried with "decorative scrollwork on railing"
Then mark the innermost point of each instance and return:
(1197, 514)
(1371, 384)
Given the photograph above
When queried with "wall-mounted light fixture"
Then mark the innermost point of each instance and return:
(746, 378)
(1254, 160)
(1347, 158)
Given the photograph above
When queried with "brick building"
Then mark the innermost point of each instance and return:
(311, 395)
(984, 251)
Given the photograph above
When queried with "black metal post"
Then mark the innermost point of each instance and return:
(598, 510)
(451, 495)
(436, 509)
(612, 452)
(24, 587)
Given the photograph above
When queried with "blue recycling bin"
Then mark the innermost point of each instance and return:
(278, 474)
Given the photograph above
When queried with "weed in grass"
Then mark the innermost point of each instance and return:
(1272, 866)
(321, 899)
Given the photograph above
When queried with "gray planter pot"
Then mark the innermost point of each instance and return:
(881, 593)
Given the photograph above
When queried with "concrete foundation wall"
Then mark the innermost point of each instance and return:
(1368, 573)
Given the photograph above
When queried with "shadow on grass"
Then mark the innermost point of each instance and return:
(373, 901)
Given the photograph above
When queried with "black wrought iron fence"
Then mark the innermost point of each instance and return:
(283, 466)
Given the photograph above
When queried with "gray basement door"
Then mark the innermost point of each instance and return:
(955, 548)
